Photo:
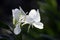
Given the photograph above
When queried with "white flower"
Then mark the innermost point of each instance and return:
(18, 15)
(34, 19)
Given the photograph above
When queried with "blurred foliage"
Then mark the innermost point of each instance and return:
(50, 17)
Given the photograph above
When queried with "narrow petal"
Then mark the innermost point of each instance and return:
(38, 15)
(21, 10)
(17, 29)
(38, 25)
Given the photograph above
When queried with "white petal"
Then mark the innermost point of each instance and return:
(34, 15)
(38, 15)
(38, 25)
(16, 13)
(17, 29)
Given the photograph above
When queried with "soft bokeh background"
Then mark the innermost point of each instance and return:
(50, 17)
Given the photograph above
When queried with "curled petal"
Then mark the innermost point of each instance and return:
(38, 25)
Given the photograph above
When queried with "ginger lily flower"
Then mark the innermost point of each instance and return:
(34, 19)
(18, 15)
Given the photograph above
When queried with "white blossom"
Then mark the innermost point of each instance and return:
(18, 15)
(34, 19)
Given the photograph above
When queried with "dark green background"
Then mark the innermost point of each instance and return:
(50, 17)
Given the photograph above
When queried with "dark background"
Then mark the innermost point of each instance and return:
(50, 17)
